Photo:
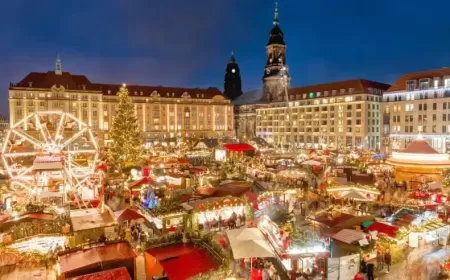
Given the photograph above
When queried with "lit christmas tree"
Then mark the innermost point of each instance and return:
(124, 133)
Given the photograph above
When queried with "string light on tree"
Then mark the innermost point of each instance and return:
(126, 145)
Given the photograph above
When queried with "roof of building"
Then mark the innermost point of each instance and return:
(110, 274)
(41, 80)
(419, 146)
(358, 86)
(400, 84)
(390, 230)
(83, 258)
(249, 97)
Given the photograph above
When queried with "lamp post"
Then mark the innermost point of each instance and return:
(288, 105)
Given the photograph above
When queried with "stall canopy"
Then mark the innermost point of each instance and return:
(355, 195)
(128, 215)
(348, 236)
(383, 228)
(143, 181)
(248, 243)
(311, 162)
(240, 147)
(84, 258)
(111, 274)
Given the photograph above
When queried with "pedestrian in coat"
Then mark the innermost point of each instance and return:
(388, 260)
(379, 260)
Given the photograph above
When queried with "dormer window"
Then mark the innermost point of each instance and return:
(318, 94)
(30, 84)
(342, 90)
(83, 87)
(197, 95)
(135, 93)
(173, 94)
(411, 85)
(424, 83)
(351, 90)
(333, 92)
(436, 82)
(142, 93)
(167, 94)
(109, 91)
(326, 93)
(203, 95)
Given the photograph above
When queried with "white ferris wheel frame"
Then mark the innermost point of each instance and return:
(81, 175)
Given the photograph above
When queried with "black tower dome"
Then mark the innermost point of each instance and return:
(232, 84)
(276, 36)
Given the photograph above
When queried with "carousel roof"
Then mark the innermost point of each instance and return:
(419, 146)
(419, 153)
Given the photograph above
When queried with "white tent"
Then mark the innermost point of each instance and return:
(355, 195)
(249, 243)
(311, 162)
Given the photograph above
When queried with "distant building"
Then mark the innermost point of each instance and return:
(163, 112)
(338, 114)
(417, 103)
(232, 83)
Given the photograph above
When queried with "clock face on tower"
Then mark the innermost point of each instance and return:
(233, 70)
(268, 71)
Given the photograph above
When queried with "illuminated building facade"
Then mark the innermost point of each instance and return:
(417, 104)
(338, 114)
(163, 112)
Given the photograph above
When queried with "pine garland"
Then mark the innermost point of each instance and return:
(127, 143)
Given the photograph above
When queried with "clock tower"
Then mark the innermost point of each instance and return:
(232, 84)
(276, 77)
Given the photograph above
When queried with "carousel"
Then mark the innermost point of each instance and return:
(418, 159)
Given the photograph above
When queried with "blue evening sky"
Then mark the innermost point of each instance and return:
(187, 42)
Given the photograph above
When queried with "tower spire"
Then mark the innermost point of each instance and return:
(275, 14)
(232, 58)
(58, 68)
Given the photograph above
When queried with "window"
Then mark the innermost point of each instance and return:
(436, 83)
(444, 117)
(410, 85)
(105, 126)
(444, 129)
(424, 83)
(420, 107)
(434, 106)
(447, 83)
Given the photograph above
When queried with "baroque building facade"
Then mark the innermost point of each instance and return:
(417, 104)
(163, 112)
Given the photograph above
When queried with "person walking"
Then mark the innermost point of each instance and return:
(388, 260)
(370, 270)
(379, 260)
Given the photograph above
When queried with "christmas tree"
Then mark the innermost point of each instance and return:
(124, 133)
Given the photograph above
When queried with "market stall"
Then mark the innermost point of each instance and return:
(216, 213)
(89, 225)
(97, 259)
(309, 255)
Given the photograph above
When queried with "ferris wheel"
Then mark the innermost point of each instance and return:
(50, 151)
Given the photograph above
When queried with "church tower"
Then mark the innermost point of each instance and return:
(232, 84)
(58, 68)
(276, 77)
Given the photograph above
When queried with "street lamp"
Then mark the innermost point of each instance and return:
(284, 75)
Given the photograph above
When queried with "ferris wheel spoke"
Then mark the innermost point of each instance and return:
(78, 134)
(31, 139)
(58, 129)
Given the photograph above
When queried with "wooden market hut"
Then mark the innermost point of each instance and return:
(97, 259)
(89, 225)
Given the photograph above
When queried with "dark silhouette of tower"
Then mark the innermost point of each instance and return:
(276, 77)
(232, 84)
